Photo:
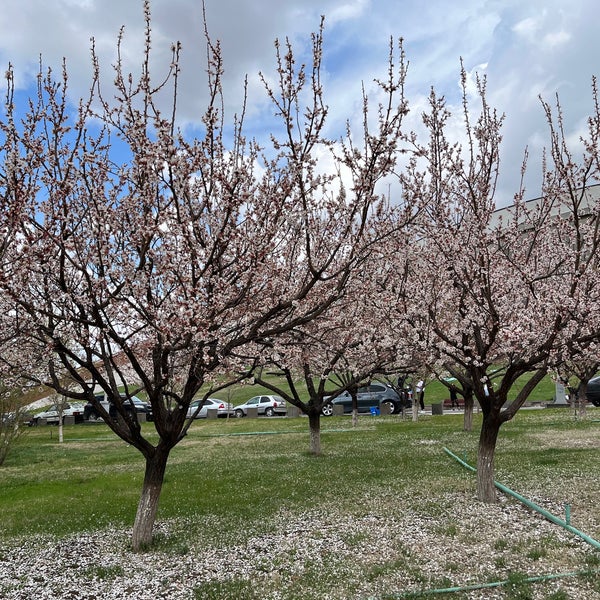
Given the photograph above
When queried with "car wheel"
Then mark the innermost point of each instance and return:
(269, 412)
(239, 413)
(327, 410)
(392, 405)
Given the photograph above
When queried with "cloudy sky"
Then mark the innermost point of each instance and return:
(526, 48)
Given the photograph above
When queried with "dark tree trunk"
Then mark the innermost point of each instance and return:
(314, 424)
(580, 402)
(354, 395)
(145, 517)
(486, 490)
(468, 415)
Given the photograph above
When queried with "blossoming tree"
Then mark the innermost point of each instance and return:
(149, 261)
(349, 337)
(334, 353)
(511, 291)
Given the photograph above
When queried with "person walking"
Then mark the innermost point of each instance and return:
(420, 391)
(453, 398)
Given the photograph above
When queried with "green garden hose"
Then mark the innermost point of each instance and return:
(479, 586)
(554, 519)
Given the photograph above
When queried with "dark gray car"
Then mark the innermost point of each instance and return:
(371, 395)
(593, 391)
(133, 404)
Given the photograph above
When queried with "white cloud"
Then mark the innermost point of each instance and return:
(350, 10)
(556, 38)
(528, 28)
(528, 48)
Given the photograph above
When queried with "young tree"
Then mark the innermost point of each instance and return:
(581, 365)
(332, 354)
(511, 292)
(12, 425)
(396, 280)
(150, 261)
(61, 402)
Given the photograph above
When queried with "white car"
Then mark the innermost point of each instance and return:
(223, 408)
(265, 405)
(51, 414)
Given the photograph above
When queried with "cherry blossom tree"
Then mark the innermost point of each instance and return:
(580, 363)
(346, 345)
(395, 282)
(146, 260)
(332, 354)
(511, 290)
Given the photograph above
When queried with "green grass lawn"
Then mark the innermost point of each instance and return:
(238, 474)
(252, 466)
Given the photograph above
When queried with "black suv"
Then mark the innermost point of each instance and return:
(593, 391)
(133, 404)
(371, 395)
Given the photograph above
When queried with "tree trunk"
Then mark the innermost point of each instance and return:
(354, 395)
(582, 408)
(486, 490)
(314, 424)
(581, 400)
(468, 415)
(148, 505)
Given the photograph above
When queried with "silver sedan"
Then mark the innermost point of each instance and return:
(223, 408)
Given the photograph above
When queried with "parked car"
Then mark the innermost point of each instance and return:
(134, 403)
(593, 391)
(8, 418)
(141, 407)
(223, 408)
(51, 415)
(266, 405)
(374, 394)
